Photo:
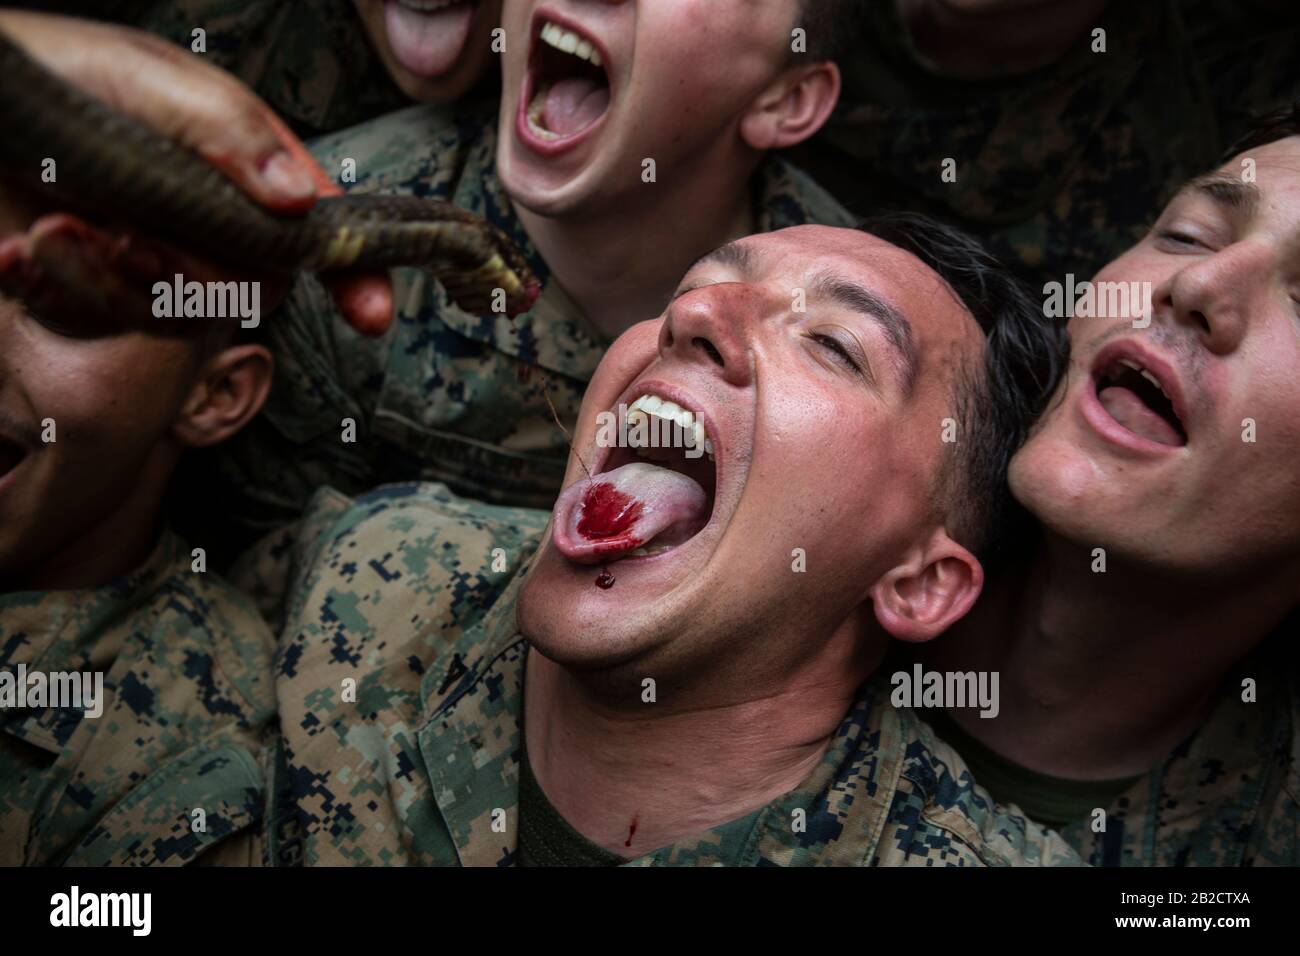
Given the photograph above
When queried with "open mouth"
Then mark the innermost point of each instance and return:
(1139, 396)
(653, 492)
(11, 456)
(428, 36)
(566, 89)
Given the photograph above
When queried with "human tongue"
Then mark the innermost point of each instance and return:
(427, 42)
(1134, 414)
(604, 518)
(573, 104)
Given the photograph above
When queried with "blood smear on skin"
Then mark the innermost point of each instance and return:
(607, 512)
(604, 580)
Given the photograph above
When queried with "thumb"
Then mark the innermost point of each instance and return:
(178, 95)
(262, 156)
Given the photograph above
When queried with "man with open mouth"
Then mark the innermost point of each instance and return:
(94, 418)
(1145, 708)
(325, 65)
(631, 138)
(680, 671)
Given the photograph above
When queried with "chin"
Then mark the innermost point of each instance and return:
(1056, 484)
(421, 89)
(569, 621)
(545, 187)
(540, 194)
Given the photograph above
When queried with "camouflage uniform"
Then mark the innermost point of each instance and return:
(188, 698)
(396, 594)
(1227, 796)
(310, 60)
(443, 396)
(1061, 169)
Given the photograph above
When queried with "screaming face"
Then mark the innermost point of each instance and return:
(596, 88)
(809, 432)
(1177, 443)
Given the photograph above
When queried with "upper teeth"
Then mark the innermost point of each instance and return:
(1144, 373)
(568, 41)
(656, 407)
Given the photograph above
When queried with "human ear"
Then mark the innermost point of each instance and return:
(928, 592)
(793, 107)
(231, 389)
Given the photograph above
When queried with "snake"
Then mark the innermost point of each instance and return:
(109, 162)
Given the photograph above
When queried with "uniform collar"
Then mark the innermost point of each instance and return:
(64, 630)
(470, 736)
(1208, 803)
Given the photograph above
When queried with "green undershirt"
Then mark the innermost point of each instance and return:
(1054, 801)
(545, 837)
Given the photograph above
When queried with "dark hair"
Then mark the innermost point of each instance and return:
(832, 27)
(1267, 128)
(1025, 355)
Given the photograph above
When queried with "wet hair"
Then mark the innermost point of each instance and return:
(996, 403)
(833, 27)
(1265, 128)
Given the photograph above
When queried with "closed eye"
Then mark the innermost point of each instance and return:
(1181, 238)
(838, 349)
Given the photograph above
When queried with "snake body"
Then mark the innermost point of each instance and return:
(116, 166)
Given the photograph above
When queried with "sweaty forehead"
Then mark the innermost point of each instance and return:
(798, 255)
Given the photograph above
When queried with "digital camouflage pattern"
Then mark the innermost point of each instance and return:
(397, 596)
(1227, 796)
(1061, 169)
(309, 60)
(444, 396)
(188, 701)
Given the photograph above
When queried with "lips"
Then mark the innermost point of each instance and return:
(651, 493)
(566, 89)
(428, 36)
(1135, 399)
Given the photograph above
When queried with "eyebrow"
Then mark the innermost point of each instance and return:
(845, 292)
(733, 254)
(895, 325)
(1226, 190)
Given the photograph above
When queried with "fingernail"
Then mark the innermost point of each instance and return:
(286, 177)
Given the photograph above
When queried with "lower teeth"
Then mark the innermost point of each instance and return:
(535, 110)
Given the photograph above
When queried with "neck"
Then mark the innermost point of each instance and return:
(636, 777)
(1102, 674)
(113, 545)
(622, 264)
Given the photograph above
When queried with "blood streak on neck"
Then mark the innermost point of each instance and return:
(607, 512)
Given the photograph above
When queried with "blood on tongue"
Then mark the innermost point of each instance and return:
(604, 580)
(607, 512)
